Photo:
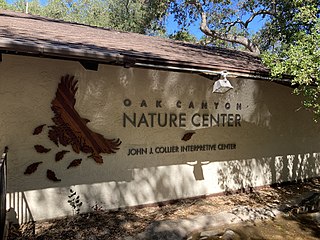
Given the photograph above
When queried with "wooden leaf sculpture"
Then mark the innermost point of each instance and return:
(75, 163)
(38, 129)
(60, 155)
(32, 168)
(71, 129)
(41, 149)
(52, 176)
(187, 136)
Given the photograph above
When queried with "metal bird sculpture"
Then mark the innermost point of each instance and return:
(71, 129)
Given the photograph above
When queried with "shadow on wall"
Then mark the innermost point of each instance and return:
(289, 134)
(19, 211)
(149, 185)
(197, 169)
(159, 178)
(245, 174)
(265, 122)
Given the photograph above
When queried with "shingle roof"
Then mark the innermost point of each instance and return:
(28, 34)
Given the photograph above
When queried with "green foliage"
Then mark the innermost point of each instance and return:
(226, 22)
(127, 16)
(136, 15)
(3, 4)
(290, 17)
(183, 36)
(34, 6)
(19, 5)
(74, 201)
(282, 19)
(300, 58)
(90, 12)
(59, 9)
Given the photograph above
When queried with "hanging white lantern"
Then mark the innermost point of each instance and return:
(222, 85)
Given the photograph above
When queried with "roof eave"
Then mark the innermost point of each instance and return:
(115, 58)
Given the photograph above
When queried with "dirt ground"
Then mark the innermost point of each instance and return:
(115, 225)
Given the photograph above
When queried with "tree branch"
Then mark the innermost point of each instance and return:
(224, 36)
(249, 20)
(127, 6)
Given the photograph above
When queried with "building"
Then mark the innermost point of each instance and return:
(124, 119)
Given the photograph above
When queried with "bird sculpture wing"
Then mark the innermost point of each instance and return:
(71, 129)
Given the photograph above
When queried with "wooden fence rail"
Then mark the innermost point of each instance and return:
(3, 191)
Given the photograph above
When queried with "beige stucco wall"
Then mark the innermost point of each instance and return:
(277, 141)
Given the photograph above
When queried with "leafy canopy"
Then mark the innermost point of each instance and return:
(3, 4)
(300, 58)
